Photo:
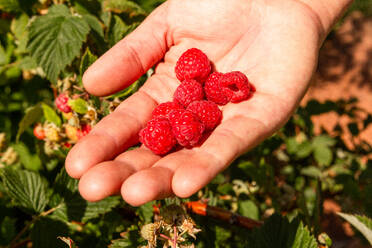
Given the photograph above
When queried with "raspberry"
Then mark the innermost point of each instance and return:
(83, 131)
(52, 134)
(71, 133)
(163, 109)
(235, 86)
(186, 127)
(158, 135)
(39, 132)
(213, 90)
(62, 103)
(193, 64)
(188, 91)
(208, 112)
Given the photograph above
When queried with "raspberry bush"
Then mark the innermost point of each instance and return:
(269, 196)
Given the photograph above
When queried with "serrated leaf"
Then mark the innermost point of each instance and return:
(45, 233)
(278, 232)
(28, 189)
(78, 105)
(64, 188)
(64, 184)
(28, 160)
(323, 155)
(94, 24)
(362, 223)
(78, 209)
(117, 30)
(87, 59)
(248, 209)
(51, 115)
(55, 39)
(303, 238)
(146, 212)
(32, 115)
(123, 6)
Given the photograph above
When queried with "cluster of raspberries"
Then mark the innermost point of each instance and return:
(194, 109)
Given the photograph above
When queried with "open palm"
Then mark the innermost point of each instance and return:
(275, 43)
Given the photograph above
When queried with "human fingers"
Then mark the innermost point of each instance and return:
(112, 135)
(106, 178)
(129, 58)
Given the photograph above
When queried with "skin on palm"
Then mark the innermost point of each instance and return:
(275, 43)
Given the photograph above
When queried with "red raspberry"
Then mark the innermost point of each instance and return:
(235, 86)
(213, 90)
(62, 103)
(188, 91)
(186, 127)
(193, 64)
(158, 135)
(39, 132)
(208, 112)
(163, 109)
(83, 131)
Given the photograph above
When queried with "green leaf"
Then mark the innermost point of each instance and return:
(323, 140)
(248, 209)
(131, 239)
(32, 115)
(28, 160)
(7, 230)
(291, 145)
(87, 59)
(19, 29)
(78, 209)
(55, 39)
(27, 63)
(303, 238)
(51, 115)
(78, 105)
(323, 155)
(304, 150)
(3, 56)
(94, 24)
(64, 188)
(117, 30)
(146, 212)
(278, 232)
(311, 171)
(9, 5)
(123, 6)
(222, 236)
(362, 223)
(46, 231)
(28, 189)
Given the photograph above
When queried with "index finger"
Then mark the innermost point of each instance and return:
(129, 58)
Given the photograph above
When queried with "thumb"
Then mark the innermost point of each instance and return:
(129, 58)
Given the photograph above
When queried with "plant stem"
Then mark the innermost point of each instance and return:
(175, 236)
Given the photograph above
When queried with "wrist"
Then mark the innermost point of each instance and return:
(328, 12)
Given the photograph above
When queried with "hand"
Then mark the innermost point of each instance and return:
(275, 43)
